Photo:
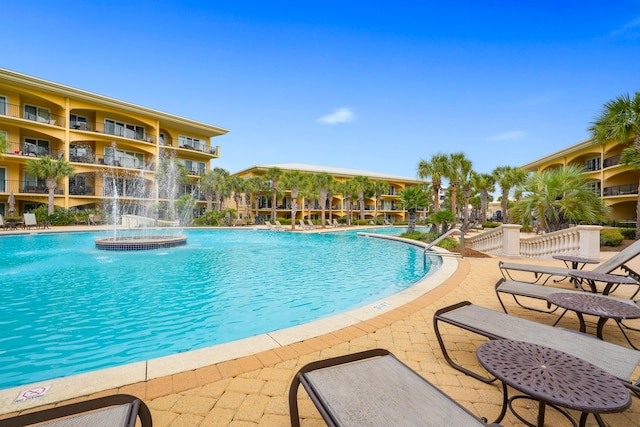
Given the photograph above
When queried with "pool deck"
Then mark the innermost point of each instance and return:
(251, 390)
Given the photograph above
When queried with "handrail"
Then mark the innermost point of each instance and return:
(439, 239)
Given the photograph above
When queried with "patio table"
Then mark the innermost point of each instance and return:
(603, 307)
(574, 263)
(611, 280)
(553, 378)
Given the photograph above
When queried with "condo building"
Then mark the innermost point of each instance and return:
(388, 209)
(113, 145)
(617, 185)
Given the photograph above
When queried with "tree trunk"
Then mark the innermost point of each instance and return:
(323, 202)
(51, 186)
(412, 221)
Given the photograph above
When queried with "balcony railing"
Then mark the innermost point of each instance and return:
(620, 190)
(31, 150)
(18, 112)
(611, 161)
(27, 187)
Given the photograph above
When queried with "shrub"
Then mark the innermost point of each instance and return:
(490, 225)
(610, 237)
(284, 221)
(628, 233)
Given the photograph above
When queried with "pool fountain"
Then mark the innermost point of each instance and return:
(136, 226)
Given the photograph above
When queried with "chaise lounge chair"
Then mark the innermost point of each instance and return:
(543, 273)
(374, 388)
(619, 361)
(303, 226)
(30, 220)
(120, 410)
(310, 224)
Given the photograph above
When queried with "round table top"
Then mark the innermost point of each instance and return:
(595, 305)
(553, 376)
(602, 277)
(571, 258)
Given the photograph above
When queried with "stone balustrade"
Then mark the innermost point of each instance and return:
(506, 240)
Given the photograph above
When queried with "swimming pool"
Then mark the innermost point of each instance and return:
(70, 308)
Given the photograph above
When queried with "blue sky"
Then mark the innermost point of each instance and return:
(368, 85)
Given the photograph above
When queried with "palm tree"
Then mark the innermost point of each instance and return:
(557, 197)
(293, 180)
(362, 187)
(484, 183)
(436, 168)
(309, 191)
(51, 171)
(411, 199)
(3, 144)
(207, 186)
(459, 169)
(348, 190)
(237, 185)
(378, 188)
(325, 183)
(255, 185)
(273, 175)
(619, 121)
(508, 177)
(220, 186)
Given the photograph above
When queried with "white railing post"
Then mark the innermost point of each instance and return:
(589, 241)
(511, 239)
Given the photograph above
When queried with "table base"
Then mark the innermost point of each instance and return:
(508, 403)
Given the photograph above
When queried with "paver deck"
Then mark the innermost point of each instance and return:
(252, 390)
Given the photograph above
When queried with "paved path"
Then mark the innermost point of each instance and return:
(252, 391)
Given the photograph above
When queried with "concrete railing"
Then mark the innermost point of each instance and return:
(506, 240)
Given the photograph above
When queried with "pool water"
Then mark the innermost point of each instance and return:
(69, 308)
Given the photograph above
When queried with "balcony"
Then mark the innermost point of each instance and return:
(30, 150)
(137, 133)
(44, 116)
(611, 161)
(620, 190)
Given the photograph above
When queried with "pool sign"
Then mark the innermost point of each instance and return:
(32, 393)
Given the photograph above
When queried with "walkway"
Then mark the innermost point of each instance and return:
(252, 391)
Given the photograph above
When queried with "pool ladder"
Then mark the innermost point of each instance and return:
(439, 239)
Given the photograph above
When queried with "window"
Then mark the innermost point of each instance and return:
(113, 127)
(194, 168)
(593, 164)
(3, 179)
(127, 159)
(78, 122)
(32, 183)
(4, 106)
(38, 114)
(191, 143)
(36, 147)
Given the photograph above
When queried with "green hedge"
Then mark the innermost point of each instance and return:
(628, 233)
(610, 237)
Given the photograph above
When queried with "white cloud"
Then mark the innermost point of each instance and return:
(341, 115)
(630, 30)
(507, 136)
